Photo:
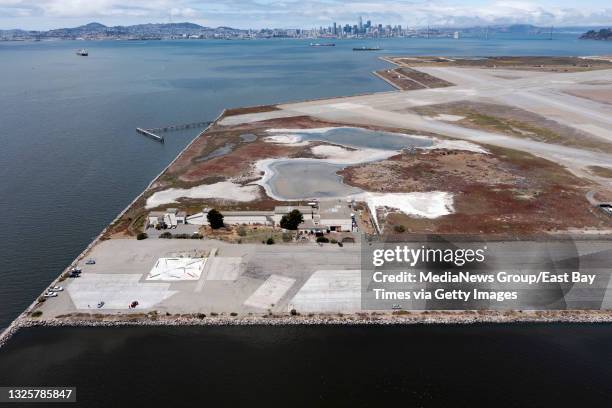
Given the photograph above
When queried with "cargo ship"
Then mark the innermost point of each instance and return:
(367, 49)
(322, 44)
(82, 52)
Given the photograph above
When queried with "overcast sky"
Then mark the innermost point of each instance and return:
(45, 14)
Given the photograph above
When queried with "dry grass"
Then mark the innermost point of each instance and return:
(250, 109)
(529, 63)
(517, 123)
(601, 171)
(507, 193)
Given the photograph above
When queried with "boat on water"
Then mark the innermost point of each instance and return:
(367, 49)
(322, 44)
(82, 52)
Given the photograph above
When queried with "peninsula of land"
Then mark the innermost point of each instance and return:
(516, 151)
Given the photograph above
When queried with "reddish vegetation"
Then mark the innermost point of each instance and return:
(243, 155)
(505, 193)
(250, 109)
(237, 163)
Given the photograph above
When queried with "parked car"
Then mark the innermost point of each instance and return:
(56, 289)
(50, 294)
(90, 261)
(100, 304)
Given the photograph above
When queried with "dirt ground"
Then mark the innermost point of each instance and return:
(601, 171)
(533, 63)
(515, 122)
(504, 193)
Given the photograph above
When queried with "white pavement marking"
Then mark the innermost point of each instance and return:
(177, 269)
(117, 291)
(270, 292)
(329, 291)
(224, 269)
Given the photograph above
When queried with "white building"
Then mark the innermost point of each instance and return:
(326, 216)
(171, 217)
(336, 215)
(308, 212)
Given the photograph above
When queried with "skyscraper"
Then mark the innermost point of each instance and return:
(360, 23)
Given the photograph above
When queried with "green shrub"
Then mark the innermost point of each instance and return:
(333, 241)
(197, 235)
(234, 314)
(242, 231)
(165, 235)
(399, 228)
(270, 241)
(215, 219)
(292, 220)
(322, 239)
(287, 237)
(141, 236)
(37, 313)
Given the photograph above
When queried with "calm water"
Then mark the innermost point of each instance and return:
(365, 138)
(419, 366)
(70, 161)
(318, 179)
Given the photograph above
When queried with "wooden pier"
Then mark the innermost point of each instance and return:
(154, 132)
(150, 134)
(179, 127)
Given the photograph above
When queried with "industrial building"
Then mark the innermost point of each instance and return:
(171, 217)
(324, 216)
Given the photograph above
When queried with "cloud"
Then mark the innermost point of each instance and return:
(308, 13)
(97, 8)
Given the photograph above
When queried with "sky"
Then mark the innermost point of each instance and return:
(46, 14)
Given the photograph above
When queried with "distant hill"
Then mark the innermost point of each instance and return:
(603, 34)
(138, 29)
(100, 31)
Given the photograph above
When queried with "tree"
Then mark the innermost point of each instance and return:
(215, 219)
(292, 220)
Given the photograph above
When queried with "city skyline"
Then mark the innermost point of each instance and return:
(308, 14)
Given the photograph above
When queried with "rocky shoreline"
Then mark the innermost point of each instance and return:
(409, 318)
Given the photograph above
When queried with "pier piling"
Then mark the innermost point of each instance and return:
(154, 133)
